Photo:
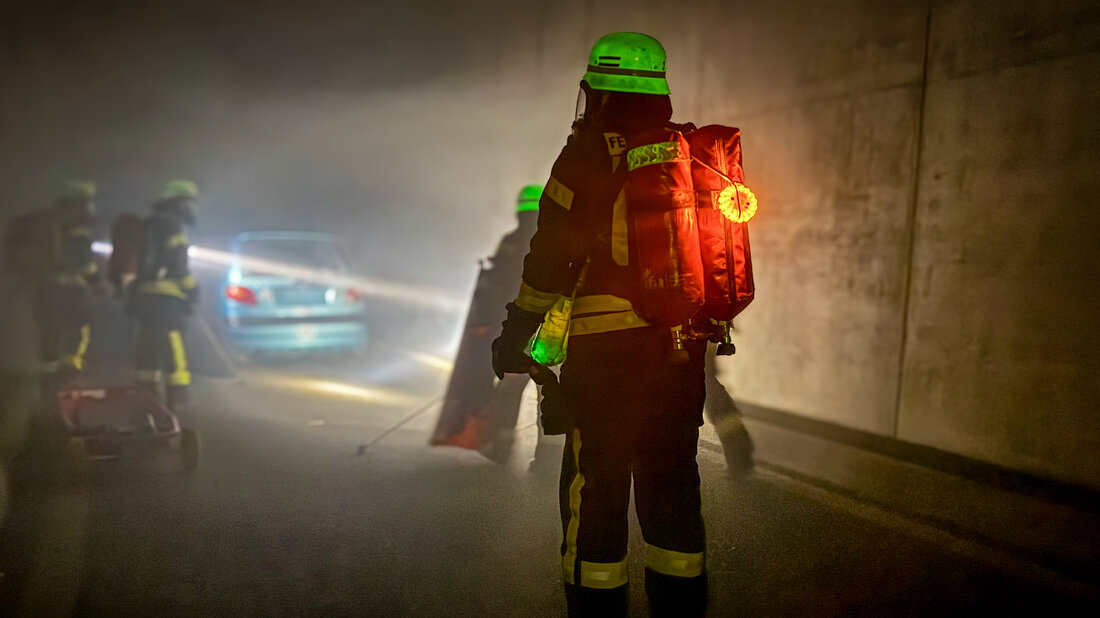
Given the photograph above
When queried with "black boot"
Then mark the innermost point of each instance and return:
(684, 597)
(595, 603)
(178, 398)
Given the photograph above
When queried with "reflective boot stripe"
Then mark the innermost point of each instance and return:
(603, 575)
(674, 563)
(180, 375)
(569, 560)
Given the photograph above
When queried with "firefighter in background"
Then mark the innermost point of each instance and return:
(164, 294)
(635, 412)
(63, 304)
(507, 396)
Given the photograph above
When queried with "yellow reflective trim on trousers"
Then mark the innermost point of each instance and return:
(674, 563)
(176, 240)
(82, 348)
(189, 282)
(620, 231)
(162, 287)
(535, 301)
(606, 323)
(180, 376)
(558, 192)
(569, 559)
(603, 575)
(89, 269)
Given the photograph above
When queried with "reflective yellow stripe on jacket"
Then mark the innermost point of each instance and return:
(603, 313)
(535, 301)
(163, 287)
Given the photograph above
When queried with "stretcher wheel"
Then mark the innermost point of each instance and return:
(190, 450)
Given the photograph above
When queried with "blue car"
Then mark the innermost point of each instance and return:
(289, 292)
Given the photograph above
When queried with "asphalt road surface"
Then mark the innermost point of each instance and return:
(318, 495)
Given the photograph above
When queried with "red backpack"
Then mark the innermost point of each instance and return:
(32, 247)
(127, 242)
(687, 210)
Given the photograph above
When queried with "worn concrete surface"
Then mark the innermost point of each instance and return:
(1001, 358)
(284, 518)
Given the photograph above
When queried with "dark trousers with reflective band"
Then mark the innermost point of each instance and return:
(64, 316)
(638, 412)
(160, 353)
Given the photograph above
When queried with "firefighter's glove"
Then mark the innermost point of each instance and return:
(510, 348)
(555, 413)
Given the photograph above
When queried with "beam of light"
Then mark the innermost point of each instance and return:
(431, 361)
(377, 288)
(339, 390)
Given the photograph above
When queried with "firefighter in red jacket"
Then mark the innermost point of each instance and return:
(163, 294)
(635, 412)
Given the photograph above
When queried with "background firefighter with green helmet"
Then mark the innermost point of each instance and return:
(478, 414)
(507, 396)
(164, 293)
(634, 410)
(50, 252)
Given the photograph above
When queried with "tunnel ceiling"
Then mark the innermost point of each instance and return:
(264, 46)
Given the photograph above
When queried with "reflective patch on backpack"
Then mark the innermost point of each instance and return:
(653, 154)
(560, 193)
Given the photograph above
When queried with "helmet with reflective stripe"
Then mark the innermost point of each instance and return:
(176, 189)
(627, 62)
(528, 199)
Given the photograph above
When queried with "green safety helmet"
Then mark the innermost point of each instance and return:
(528, 199)
(176, 189)
(627, 62)
(77, 191)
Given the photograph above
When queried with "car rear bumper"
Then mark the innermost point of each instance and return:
(298, 335)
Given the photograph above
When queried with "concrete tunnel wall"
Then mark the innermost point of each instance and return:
(926, 248)
(925, 251)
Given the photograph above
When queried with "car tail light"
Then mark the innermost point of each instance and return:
(353, 295)
(240, 294)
